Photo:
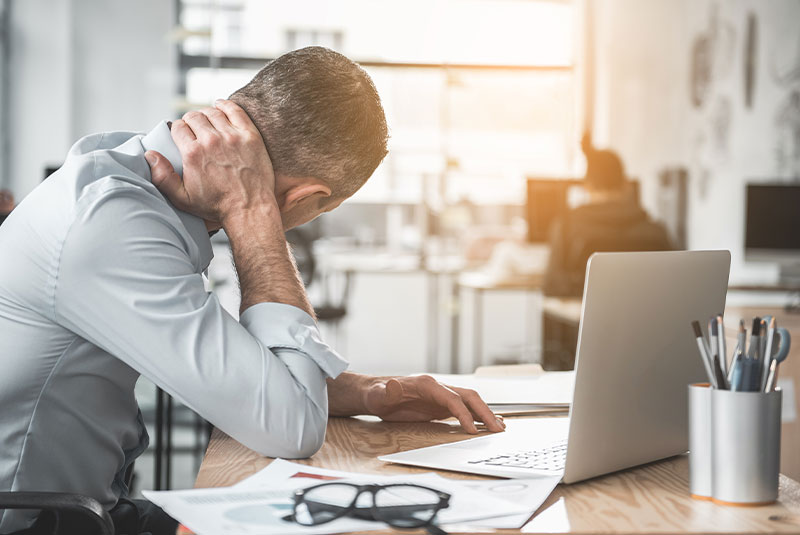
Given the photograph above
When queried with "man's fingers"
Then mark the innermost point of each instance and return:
(182, 135)
(217, 119)
(446, 397)
(236, 115)
(480, 409)
(165, 178)
(460, 411)
(200, 125)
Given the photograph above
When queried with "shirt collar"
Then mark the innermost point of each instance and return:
(160, 140)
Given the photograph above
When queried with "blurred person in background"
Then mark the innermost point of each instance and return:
(611, 220)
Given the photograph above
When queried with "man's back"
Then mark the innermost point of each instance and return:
(609, 226)
(68, 406)
(100, 281)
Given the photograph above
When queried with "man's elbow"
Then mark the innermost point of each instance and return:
(296, 434)
(310, 436)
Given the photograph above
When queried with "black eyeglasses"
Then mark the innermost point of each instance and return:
(403, 506)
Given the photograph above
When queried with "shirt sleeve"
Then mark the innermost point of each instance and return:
(126, 282)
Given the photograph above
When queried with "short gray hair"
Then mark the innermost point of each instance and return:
(319, 115)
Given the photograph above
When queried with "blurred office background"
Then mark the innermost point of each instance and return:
(436, 264)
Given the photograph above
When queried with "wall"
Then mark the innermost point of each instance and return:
(83, 66)
(644, 109)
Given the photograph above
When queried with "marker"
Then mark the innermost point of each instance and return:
(755, 339)
(701, 346)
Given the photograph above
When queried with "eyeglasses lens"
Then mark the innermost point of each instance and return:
(324, 503)
(406, 506)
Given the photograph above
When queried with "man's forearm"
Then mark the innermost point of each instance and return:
(266, 270)
(347, 394)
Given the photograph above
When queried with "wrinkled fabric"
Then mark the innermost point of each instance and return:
(101, 281)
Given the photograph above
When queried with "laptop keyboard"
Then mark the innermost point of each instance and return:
(549, 459)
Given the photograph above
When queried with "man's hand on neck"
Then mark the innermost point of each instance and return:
(228, 178)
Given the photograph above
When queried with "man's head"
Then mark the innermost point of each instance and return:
(323, 125)
(604, 172)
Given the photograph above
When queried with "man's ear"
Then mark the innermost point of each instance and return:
(302, 189)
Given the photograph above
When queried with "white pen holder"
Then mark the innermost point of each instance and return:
(734, 441)
(700, 441)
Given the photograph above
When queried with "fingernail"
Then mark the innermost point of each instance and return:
(217, 102)
(501, 423)
(151, 158)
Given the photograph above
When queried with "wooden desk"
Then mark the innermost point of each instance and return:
(650, 499)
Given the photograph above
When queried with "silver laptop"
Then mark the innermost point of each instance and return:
(635, 356)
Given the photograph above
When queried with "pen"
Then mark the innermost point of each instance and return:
(762, 347)
(712, 335)
(722, 384)
(742, 336)
(701, 346)
(766, 370)
(741, 341)
(753, 369)
(723, 355)
(770, 383)
(737, 368)
(734, 360)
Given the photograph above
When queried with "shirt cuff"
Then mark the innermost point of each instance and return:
(277, 325)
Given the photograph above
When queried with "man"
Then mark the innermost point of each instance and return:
(100, 281)
(612, 220)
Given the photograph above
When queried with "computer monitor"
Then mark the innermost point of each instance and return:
(772, 227)
(547, 200)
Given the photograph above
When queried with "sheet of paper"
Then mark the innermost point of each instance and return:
(509, 370)
(529, 410)
(257, 505)
(230, 511)
(466, 504)
(530, 492)
(550, 388)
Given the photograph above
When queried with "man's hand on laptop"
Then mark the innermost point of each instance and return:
(226, 168)
(418, 398)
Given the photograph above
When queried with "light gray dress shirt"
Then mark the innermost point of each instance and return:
(101, 281)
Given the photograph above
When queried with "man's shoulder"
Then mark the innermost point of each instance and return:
(107, 166)
(100, 141)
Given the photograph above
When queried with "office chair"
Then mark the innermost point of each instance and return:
(55, 504)
(58, 506)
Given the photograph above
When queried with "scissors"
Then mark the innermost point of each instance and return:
(771, 363)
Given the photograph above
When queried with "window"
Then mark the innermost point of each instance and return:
(478, 93)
